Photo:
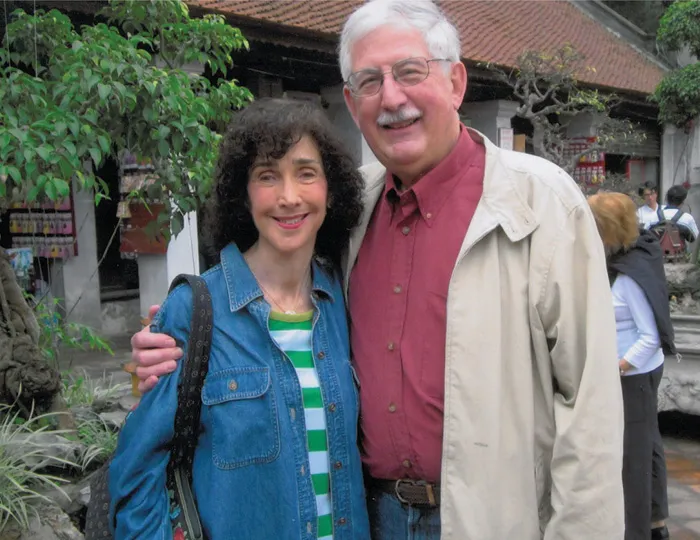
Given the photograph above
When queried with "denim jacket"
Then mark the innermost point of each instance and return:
(251, 468)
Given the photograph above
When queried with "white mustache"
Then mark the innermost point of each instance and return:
(402, 115)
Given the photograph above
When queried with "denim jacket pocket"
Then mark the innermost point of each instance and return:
(243, 414)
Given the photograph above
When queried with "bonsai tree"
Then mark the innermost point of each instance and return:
(547, 88)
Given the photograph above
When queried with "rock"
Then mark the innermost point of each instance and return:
(682, 278)
(53, 524)
(71, 498)
(114, 418)
(54, 449)
(128, 403)
(685, 304)
(680, 386)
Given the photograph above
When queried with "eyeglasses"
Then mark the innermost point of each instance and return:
(408, 72)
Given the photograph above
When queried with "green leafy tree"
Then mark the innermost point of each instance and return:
(71, 97)
(678, 93)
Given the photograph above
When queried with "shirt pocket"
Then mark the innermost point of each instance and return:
(243, 414)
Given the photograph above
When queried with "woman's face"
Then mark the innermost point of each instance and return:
(288, 198)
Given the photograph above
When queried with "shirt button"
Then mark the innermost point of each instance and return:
(397, 289)
(321, 355)
(406, 230)
(390, 346)
(392, 407)
(407, 463)
(338, 465)
(428, 215)
(232, 385)
(331, 407)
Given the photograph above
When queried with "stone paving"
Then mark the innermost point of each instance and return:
(682, 442)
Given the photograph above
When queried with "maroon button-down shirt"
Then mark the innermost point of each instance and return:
(397, 297)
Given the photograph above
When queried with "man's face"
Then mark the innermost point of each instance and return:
(650, 197)
(410, 148)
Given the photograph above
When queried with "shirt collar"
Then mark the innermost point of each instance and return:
(243, 288)
(432, 190)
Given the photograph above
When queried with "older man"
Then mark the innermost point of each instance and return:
(482, 327)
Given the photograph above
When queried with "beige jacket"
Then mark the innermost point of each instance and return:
(532, 444)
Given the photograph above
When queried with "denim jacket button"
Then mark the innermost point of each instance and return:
(331, 407)
(232, 385)
(321, 355)
(342, 521)
(338, 465)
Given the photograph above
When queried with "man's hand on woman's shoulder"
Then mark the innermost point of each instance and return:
(154, 354)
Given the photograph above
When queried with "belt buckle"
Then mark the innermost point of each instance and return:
(396, 491)
(429, 491)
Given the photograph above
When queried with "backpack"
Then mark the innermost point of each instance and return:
(669, 235)
(183, 508)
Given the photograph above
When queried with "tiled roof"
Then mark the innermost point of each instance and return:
(492, 31)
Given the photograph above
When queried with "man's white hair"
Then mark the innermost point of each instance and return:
(440, 35)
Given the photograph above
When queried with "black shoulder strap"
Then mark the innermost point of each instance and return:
(189, 401)
(677, 216)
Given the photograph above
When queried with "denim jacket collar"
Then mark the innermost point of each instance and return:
(243, 288)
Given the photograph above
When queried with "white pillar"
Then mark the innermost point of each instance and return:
(673, 158)
(489, 116)
(342, 121)
(156, 272)
(79, 276)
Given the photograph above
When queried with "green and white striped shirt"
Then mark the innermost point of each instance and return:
(293, 334)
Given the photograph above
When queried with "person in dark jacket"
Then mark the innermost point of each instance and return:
(644, 336)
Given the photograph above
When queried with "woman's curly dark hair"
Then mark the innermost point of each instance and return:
(267, 128)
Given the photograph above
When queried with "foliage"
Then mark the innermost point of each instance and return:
(680, 26)
(100, 441)
(70, 98)
(82, 390)
(55, 333)
(21, 485)
(678, 93)
(547, 88)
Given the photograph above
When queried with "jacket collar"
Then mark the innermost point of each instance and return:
(243, 288)
(502, 203)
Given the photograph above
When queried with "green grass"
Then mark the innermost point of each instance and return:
(100, 441)
(82, 390)
(20, 484)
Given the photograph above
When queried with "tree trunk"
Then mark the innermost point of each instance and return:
(26, 379)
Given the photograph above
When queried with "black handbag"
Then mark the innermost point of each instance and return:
(183, 509)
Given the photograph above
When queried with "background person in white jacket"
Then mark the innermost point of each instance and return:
(647, 214)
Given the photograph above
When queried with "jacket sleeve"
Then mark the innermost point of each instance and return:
(576, 311)
(139, 506)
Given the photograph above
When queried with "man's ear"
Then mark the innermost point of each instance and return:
(458, 78)
(350, 103)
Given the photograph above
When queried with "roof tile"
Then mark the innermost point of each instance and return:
(491, 31)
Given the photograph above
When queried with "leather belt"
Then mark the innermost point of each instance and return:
(411, 492)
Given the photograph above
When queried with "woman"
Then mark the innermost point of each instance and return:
(644, 335)
(277, 453)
